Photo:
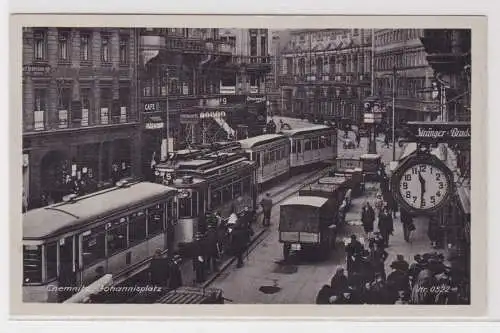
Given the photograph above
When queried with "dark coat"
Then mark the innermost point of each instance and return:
(368, 218)
(267, 204)
(385, 223)
(324, 295)
(175, 280)
(159, 271)
(354, 248)
(212, 239)
(339, 283)
(239, 239)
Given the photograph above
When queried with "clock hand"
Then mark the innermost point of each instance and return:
(422, 182)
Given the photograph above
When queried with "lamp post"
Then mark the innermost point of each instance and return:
(393, 113)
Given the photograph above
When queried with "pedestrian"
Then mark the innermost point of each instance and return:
(324, 295)
(339, 281)
(385, 225)
(158, 269)
(386, 139)
(415, 269)
(379, 202)
(358, 139)
(433, 232)
(175, 280)
(239, 242)
(368, 219)
(213, 248)
(199, 262)
(353, 250)
(377, 259)
(378, 291)
(398, 279)
(267, 205)
(407, 224)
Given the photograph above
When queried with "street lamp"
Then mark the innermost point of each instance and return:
(393, 125)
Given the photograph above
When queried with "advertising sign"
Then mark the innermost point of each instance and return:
(439, 132)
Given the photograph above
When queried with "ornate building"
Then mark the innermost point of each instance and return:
(206, 84)
(401, 50)
(326, 73)
(79, 110)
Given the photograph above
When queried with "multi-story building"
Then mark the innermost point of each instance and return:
(326, 73)
(210, 82)
(400, 53)
(79, 109)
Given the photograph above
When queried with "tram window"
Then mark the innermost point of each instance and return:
(299, 146)
(137, 227)
(328, 141)
(185, 207)
(271, 156)
(51, 261)
(307, 145)
(266, 158)
(278, 154)
(155, 219)
(258, 159)
(227, 194)
(294, 146)
(116, 236)
(314, 144)
(236, 189)
(32, 264)
(93, 245)
(170, 208)
(246, 184)
(194, 202)
(322, 142)
(216, 199)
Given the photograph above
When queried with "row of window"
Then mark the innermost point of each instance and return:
(341, 66)
(269, 157)
(263, 46)
(410, 87)
(100, 242)
(191, 206)
(65, 43)
(312, 144)
(230, 190)
(407, 59)
(398, 35)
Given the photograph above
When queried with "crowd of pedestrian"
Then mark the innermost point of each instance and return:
(427, 280)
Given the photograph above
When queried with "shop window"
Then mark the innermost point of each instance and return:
(32, 264)
(93, 245)
(51, 250)
(137, 227)
(155, 219)
(116, 236)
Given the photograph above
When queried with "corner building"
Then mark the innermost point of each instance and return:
(79, 109)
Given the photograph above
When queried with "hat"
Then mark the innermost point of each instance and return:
(400, 257)
(353, 237)
(398, 265)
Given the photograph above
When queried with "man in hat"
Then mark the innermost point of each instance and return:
(407, 222)
(398, 278)
(158, 269)
(339, 282)
(368, 218)
(175, 280)
(385, 225)
(353, 250)
(267, 205)
(213, 247)
(239, 242)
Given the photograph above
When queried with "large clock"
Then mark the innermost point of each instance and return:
(422, 183)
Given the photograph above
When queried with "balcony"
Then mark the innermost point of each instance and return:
(254, 63)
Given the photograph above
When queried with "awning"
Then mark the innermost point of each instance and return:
(154, 119)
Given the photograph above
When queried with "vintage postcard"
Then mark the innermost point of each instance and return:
(269, 166)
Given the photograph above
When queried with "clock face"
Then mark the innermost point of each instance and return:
(423, 186)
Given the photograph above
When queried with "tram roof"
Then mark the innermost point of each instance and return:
(260, 139)
(62, 217)
(305, 200)
(305, 130)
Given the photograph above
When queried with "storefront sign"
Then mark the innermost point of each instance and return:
(252, 99)
(153, 125)
(439, 132)
(190, 118)
(37, 69)
(152, 107)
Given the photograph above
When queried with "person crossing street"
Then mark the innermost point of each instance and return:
(267, 205)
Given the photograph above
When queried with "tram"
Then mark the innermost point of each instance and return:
(271, 152)
(219, 181)
(311, 145)
(69, 245)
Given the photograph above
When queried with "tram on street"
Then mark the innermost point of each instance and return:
(72, 244)
(271, 152)
(311, 145)
(216, 182)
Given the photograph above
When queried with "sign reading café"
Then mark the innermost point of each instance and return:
(440, 132)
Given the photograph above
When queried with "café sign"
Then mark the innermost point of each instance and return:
(439, 132)
(151, 107)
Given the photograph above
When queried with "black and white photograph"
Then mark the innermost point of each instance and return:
(185, 165)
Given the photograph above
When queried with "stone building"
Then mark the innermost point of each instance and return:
(326, 73)
(401, 50)
(79, 109)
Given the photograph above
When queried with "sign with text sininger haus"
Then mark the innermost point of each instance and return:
(431, 132)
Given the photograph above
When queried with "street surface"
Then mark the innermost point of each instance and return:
(265, 279)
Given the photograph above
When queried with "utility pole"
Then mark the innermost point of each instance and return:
(393, 113)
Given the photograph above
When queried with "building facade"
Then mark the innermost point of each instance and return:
(80, 120)
(206, 84)
(326, 73)
(400, 52)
